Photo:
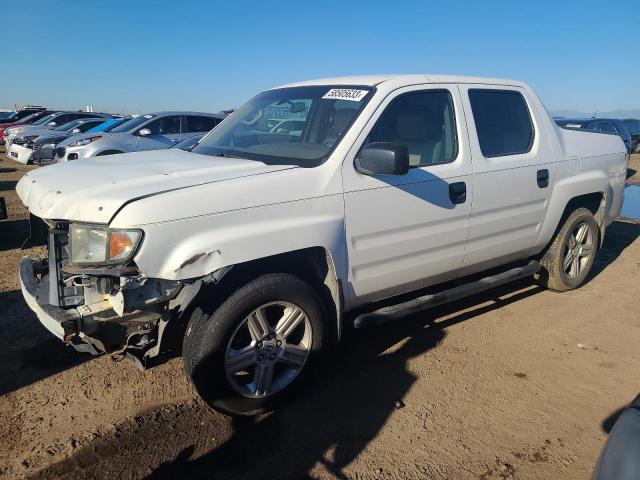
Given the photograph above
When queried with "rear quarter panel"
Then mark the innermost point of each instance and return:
(588, 163)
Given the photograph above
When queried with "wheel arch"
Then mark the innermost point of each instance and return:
(595, 202)
(314, 265)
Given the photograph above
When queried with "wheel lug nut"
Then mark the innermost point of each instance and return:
(278, 343)
(259, 345)
(270, 337)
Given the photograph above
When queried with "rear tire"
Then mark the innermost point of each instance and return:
(569, 258)
(240, 355)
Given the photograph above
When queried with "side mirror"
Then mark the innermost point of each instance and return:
(383, 158)
(144, 132)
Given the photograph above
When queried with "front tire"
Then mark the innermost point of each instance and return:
(569, 258)
(246, 355)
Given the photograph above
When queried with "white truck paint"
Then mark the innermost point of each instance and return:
(382, 234)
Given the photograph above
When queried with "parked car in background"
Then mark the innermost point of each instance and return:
(32, 119)
(254, 249)
(24, 145)
(20, 114)
(49, 122)
(44, 146)
(633, 125)
(4, 115)
(153, 131)
(613, 126)
(188, 143)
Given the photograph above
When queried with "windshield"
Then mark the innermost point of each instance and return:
(67, 126)
(132, 124)
(44, 119)
(187, 143)
(107, 126)
(297, 125)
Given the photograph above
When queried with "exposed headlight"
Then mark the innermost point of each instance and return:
(84, 141)
(90, 244)
(28, 138)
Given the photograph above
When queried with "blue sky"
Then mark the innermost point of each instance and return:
(137, 56)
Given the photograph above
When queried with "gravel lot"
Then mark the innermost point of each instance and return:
(519, 383)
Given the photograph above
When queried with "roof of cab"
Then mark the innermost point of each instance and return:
(375, 80)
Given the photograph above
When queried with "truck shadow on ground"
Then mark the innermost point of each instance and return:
(620, 234)
(6, 185)
(28, 352)
(343, 409)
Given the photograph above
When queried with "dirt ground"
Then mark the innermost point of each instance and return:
(518, 383)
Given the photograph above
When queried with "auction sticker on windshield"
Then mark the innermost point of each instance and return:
(345, 94)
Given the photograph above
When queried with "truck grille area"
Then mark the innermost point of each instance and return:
(63, 292)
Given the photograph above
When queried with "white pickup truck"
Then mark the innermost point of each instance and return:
(253, 250)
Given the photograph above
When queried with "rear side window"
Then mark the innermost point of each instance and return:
(201, 124)
(165, 126)
(605, 127)
(422, 121)
(502, 121)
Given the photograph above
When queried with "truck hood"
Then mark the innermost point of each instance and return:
(93, 190)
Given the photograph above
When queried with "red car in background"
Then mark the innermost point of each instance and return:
(25, 120)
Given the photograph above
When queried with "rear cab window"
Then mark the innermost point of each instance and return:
(503, 122)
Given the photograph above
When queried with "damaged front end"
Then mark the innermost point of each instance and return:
(97, 308)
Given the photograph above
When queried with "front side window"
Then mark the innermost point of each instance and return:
(503, 122)
(296, 125)
(424, 122)
(164, 126)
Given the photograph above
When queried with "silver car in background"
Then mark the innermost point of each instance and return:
(23, 146)
(49, 122)
(154, 131)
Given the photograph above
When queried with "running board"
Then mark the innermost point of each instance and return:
(394, 312)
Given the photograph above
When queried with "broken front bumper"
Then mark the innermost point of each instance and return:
(60, 322)
(127, 323)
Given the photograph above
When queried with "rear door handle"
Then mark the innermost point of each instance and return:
(543, 178)
(458, 192)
